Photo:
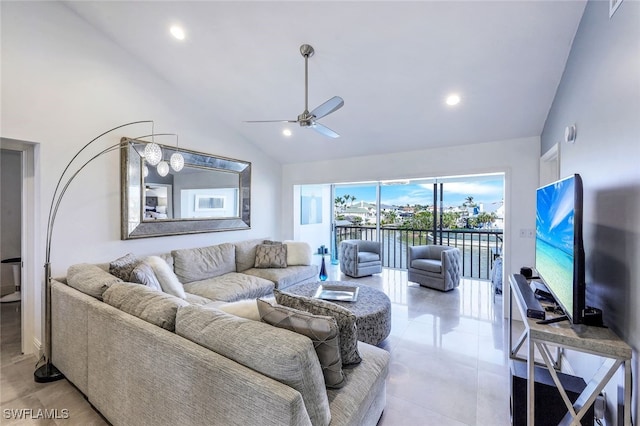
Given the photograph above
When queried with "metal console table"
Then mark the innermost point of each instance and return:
(598, 341)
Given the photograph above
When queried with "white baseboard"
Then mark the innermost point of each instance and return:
(37, 348)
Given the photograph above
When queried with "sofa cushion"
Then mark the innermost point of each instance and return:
(145, 303)
(354, 404)
(90, 279)
(271, 256)
(285, 277)
(246, 254)
(367, 256)
(346, 321)
(123, 266)
(279, 354)
(323, 332)
(204, 262)
(298, 253)
(231, 287)
(429, 265)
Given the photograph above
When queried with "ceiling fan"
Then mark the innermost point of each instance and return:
(308, 119)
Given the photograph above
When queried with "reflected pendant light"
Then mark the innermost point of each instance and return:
(176, 161)
(163, 168)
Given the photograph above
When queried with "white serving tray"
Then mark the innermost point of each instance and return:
(341, 293)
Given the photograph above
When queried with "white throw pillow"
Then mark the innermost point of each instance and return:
(242, 308)
(167, 278)
(298, 253)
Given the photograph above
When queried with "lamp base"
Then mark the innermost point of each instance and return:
(47, 373)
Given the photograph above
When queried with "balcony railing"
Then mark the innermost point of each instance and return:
(478, 247)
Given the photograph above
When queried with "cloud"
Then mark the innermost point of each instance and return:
(473, 189)
(455, 193)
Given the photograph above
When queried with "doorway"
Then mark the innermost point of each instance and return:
(19, 198)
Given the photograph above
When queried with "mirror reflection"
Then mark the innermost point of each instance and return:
(209, 194)
(191, 193)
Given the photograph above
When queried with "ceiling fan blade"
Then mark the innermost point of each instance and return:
(270, 121)
(328, 107)
(324, 130)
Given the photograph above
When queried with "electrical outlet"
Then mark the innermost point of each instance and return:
(527, 233)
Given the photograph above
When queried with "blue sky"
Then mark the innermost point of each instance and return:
(487, 190)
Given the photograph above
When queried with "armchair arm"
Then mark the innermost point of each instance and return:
(348, 257)
(451, 259)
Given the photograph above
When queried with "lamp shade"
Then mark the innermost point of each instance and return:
(152, 153)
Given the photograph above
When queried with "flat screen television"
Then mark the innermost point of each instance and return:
(559, 246)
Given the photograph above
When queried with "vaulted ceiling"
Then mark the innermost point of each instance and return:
(393, 63)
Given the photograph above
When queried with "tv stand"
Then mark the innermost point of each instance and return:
(553, 320)
(582, 338)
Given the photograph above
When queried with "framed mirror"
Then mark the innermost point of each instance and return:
(209, 194)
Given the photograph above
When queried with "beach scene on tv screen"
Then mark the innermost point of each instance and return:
(554, 239)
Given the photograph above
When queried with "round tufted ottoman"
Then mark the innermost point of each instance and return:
(372, 309)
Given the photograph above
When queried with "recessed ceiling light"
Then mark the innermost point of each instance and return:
(177, 32)
(453, 99)
(286, 132)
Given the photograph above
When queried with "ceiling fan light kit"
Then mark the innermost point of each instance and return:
(306, 118)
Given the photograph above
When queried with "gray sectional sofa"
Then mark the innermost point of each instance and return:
(145, 357)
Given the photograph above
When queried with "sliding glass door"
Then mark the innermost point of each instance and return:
(466, 212)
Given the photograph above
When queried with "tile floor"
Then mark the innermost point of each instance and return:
(448, 362)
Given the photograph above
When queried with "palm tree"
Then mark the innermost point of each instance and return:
(485, 219)
(389, 217)
(469, 202)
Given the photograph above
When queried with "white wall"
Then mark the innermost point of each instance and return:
(517, 158)
(316, 234)
(600, 93)
(63, 84)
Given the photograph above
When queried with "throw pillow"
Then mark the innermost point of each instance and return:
(242, 308)
(143, 274)
(246, 254)
(323, 332)
(271, 256)
(298, 253)
(168, 280)
(345, 319)
(123, 266)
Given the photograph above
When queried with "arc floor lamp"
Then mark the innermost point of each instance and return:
(47, 372)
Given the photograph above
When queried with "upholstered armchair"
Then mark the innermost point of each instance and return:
(434, 266)
(359, 258)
